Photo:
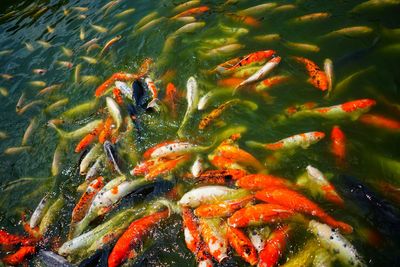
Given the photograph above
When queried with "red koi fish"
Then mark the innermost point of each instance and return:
(118, 96)
(193, 239)
(19, 256)
(133, 236)
(261, 181)
(299, 203)
(230, 82)
(274, 247)
(10, 239)
(242, 245)
(318, 77)
(86, 199)
(259, 214)
(380, 122)
(272, 82)
(222, 208)
(89, 138)
(171, 98)
(192, 12)
(338, 146)
(166, 167)
(256, 57)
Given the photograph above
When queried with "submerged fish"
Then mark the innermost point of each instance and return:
(192, 97)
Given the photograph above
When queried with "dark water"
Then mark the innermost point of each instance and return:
(373, 153)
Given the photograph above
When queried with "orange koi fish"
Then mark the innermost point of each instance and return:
(318, 77)
(133, 236)
(19, 256)
(105, 133)
(166, 167)
(215, 113)
(380, 122)
(272, 82)
(259, 214)
(10, 239)
(230, 82)
(222, 208)
(256, 57)
(213, 232)
(220, 176)
(171, 98)
(274, 247)
(242, 245)
(193, 239)
(86, 199)
(247, 20)
(89, 138)
(192, 12)
(299, 203)
(118, 96)
(338, 146)
(303, 140)
(228, 156)
(261, 181)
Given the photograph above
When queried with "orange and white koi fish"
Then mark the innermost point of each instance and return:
(255, 57)
(303, 140)
(214, 235)
(274, 247)
(261, 181)
(328, 190)
(166, 167)
(338, 146)
(259, 214)
(380, 122)
(89, 138)
(192, 12)
(123, 249)
(19, 256)
(299, 203)
(242, 245)
(85, 201)
(223, 208)
(318, 78)
(172, 149)
(193, 239)
(352, 109)
(272, 82)
(267, 68)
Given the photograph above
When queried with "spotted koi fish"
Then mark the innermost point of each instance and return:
(223, 208)
(318, 77)
(242, 245)
(274, 247)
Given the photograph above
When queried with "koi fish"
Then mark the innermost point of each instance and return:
(299, 203)
(192, 12)
(109, 44)
(123, 249)
(374, 4)
(317, 77)
(272, 82)
(109, 150)
(261, 181)
(247, 20)
(258, 237)
(335, 242)
(223, 208)
(89, 138)
(19, 256)
(354, 31)
(50, 89)
(214, 233)
(89, 158)
(328, 69)
(220, 176)
(316, 178)
(171, 98)
(39, 212)
(380, 122)
(230, 82)
(79, 132)
(28, 132)
(207, 120)
(80, 209)
(37, 71)
(125, 13)
(189, 28)
(192, 97)
(51, 215)
(115, 112)
(256, 57)
(352, 109)
(170, 149)
(268, 37)
(10, 239)
(210, 194)
(338, 146)
(258, 215)
(224, 50)
(242, 245)
(193, 239)
(302, 47)
(116, 76)
(184, 6)
(267, 68)
(303, 140)
(257, 10)
(166, 166)
(274, 247)
(106, 131)
(312, 17)
(95, 168)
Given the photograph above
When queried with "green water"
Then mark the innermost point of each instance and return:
(27, 21)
